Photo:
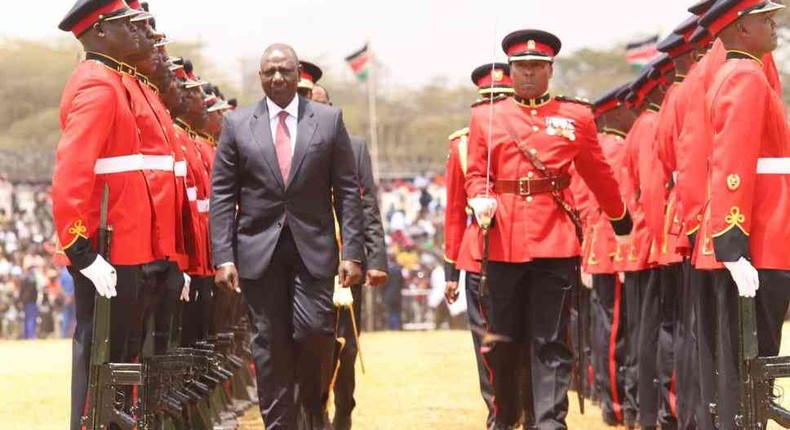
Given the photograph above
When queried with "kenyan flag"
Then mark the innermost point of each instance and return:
(642, 52)
(360, 63)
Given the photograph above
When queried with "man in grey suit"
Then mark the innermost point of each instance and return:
(277, 166)
(374, 265)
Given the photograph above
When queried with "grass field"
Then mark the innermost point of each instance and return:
(414, 380)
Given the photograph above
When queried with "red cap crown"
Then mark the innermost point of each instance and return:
(724, 13)
(93, 16)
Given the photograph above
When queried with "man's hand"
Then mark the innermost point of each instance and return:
(185, 289)
(746, 277)
(103, 276)
(350, 273)
(375, 278)
(342, 297)
(451, 292)
(484, 209)
(587, 280)
(227, 277)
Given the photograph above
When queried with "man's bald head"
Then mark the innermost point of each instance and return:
(279, 73)
(280, 49)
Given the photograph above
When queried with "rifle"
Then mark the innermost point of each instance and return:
(105, 401)
(756, 376)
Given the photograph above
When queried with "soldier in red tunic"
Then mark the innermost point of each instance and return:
(744, 231)
(187, 117)
(674, 244)
(614, 120)
(100, 145)
(531, 143)
(658, 296)
(164, 279)
(493, 83)
(692, 149)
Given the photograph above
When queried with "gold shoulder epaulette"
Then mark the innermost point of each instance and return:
(486, 100)
(579, 100)
(462, 132)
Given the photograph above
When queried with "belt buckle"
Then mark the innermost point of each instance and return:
(525, 187)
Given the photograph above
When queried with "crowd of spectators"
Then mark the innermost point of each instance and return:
(37, 293)
(413, 214)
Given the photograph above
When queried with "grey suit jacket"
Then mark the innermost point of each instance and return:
(375, 248)
(251, 203)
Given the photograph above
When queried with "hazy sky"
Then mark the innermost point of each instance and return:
(417, 40)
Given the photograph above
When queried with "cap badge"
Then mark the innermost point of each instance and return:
(531, 45)
(497, 75)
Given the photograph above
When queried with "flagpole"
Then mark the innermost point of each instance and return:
(372, 117)
(374, 155)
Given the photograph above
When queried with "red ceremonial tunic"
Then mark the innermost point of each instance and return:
(666, 229)
(158, 165)
(560, 133)
(197, 195)
(602, 246)
(693, 146)
(100, 145)
(640, 138)
(456, 216)
(749, 177)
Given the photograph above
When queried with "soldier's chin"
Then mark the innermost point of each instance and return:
(529, 91)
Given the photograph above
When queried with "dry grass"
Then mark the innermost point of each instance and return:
(414, 380)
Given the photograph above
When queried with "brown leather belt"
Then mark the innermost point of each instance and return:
(531, 186)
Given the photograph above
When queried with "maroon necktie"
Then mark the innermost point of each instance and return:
(282, 144)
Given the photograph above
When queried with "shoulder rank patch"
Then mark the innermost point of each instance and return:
(486, 100)
(458, 133)
(579, 100)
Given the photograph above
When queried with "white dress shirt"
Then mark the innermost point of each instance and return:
(290, 122)
(274, 122)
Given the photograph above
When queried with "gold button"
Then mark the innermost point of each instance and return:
(535, 128)
(533, 112)
(530, 174)
(529, 199)
(733, 182)
(533, 151)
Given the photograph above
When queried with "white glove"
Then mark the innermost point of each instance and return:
(103, 276)
(185, 289)
(745, 276)
(342, 297)
(587, 280)
(621, 275)
(484, 209)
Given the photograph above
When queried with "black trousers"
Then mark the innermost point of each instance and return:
(162, 286)
(771, 303)
(476, 308)
(704, 298)
(656, 329)
(292, 337)
(686, 356)
(635, 285)
(124, 322)
(609, 346)
(196, 313)
(345, 382)
(530, 303)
